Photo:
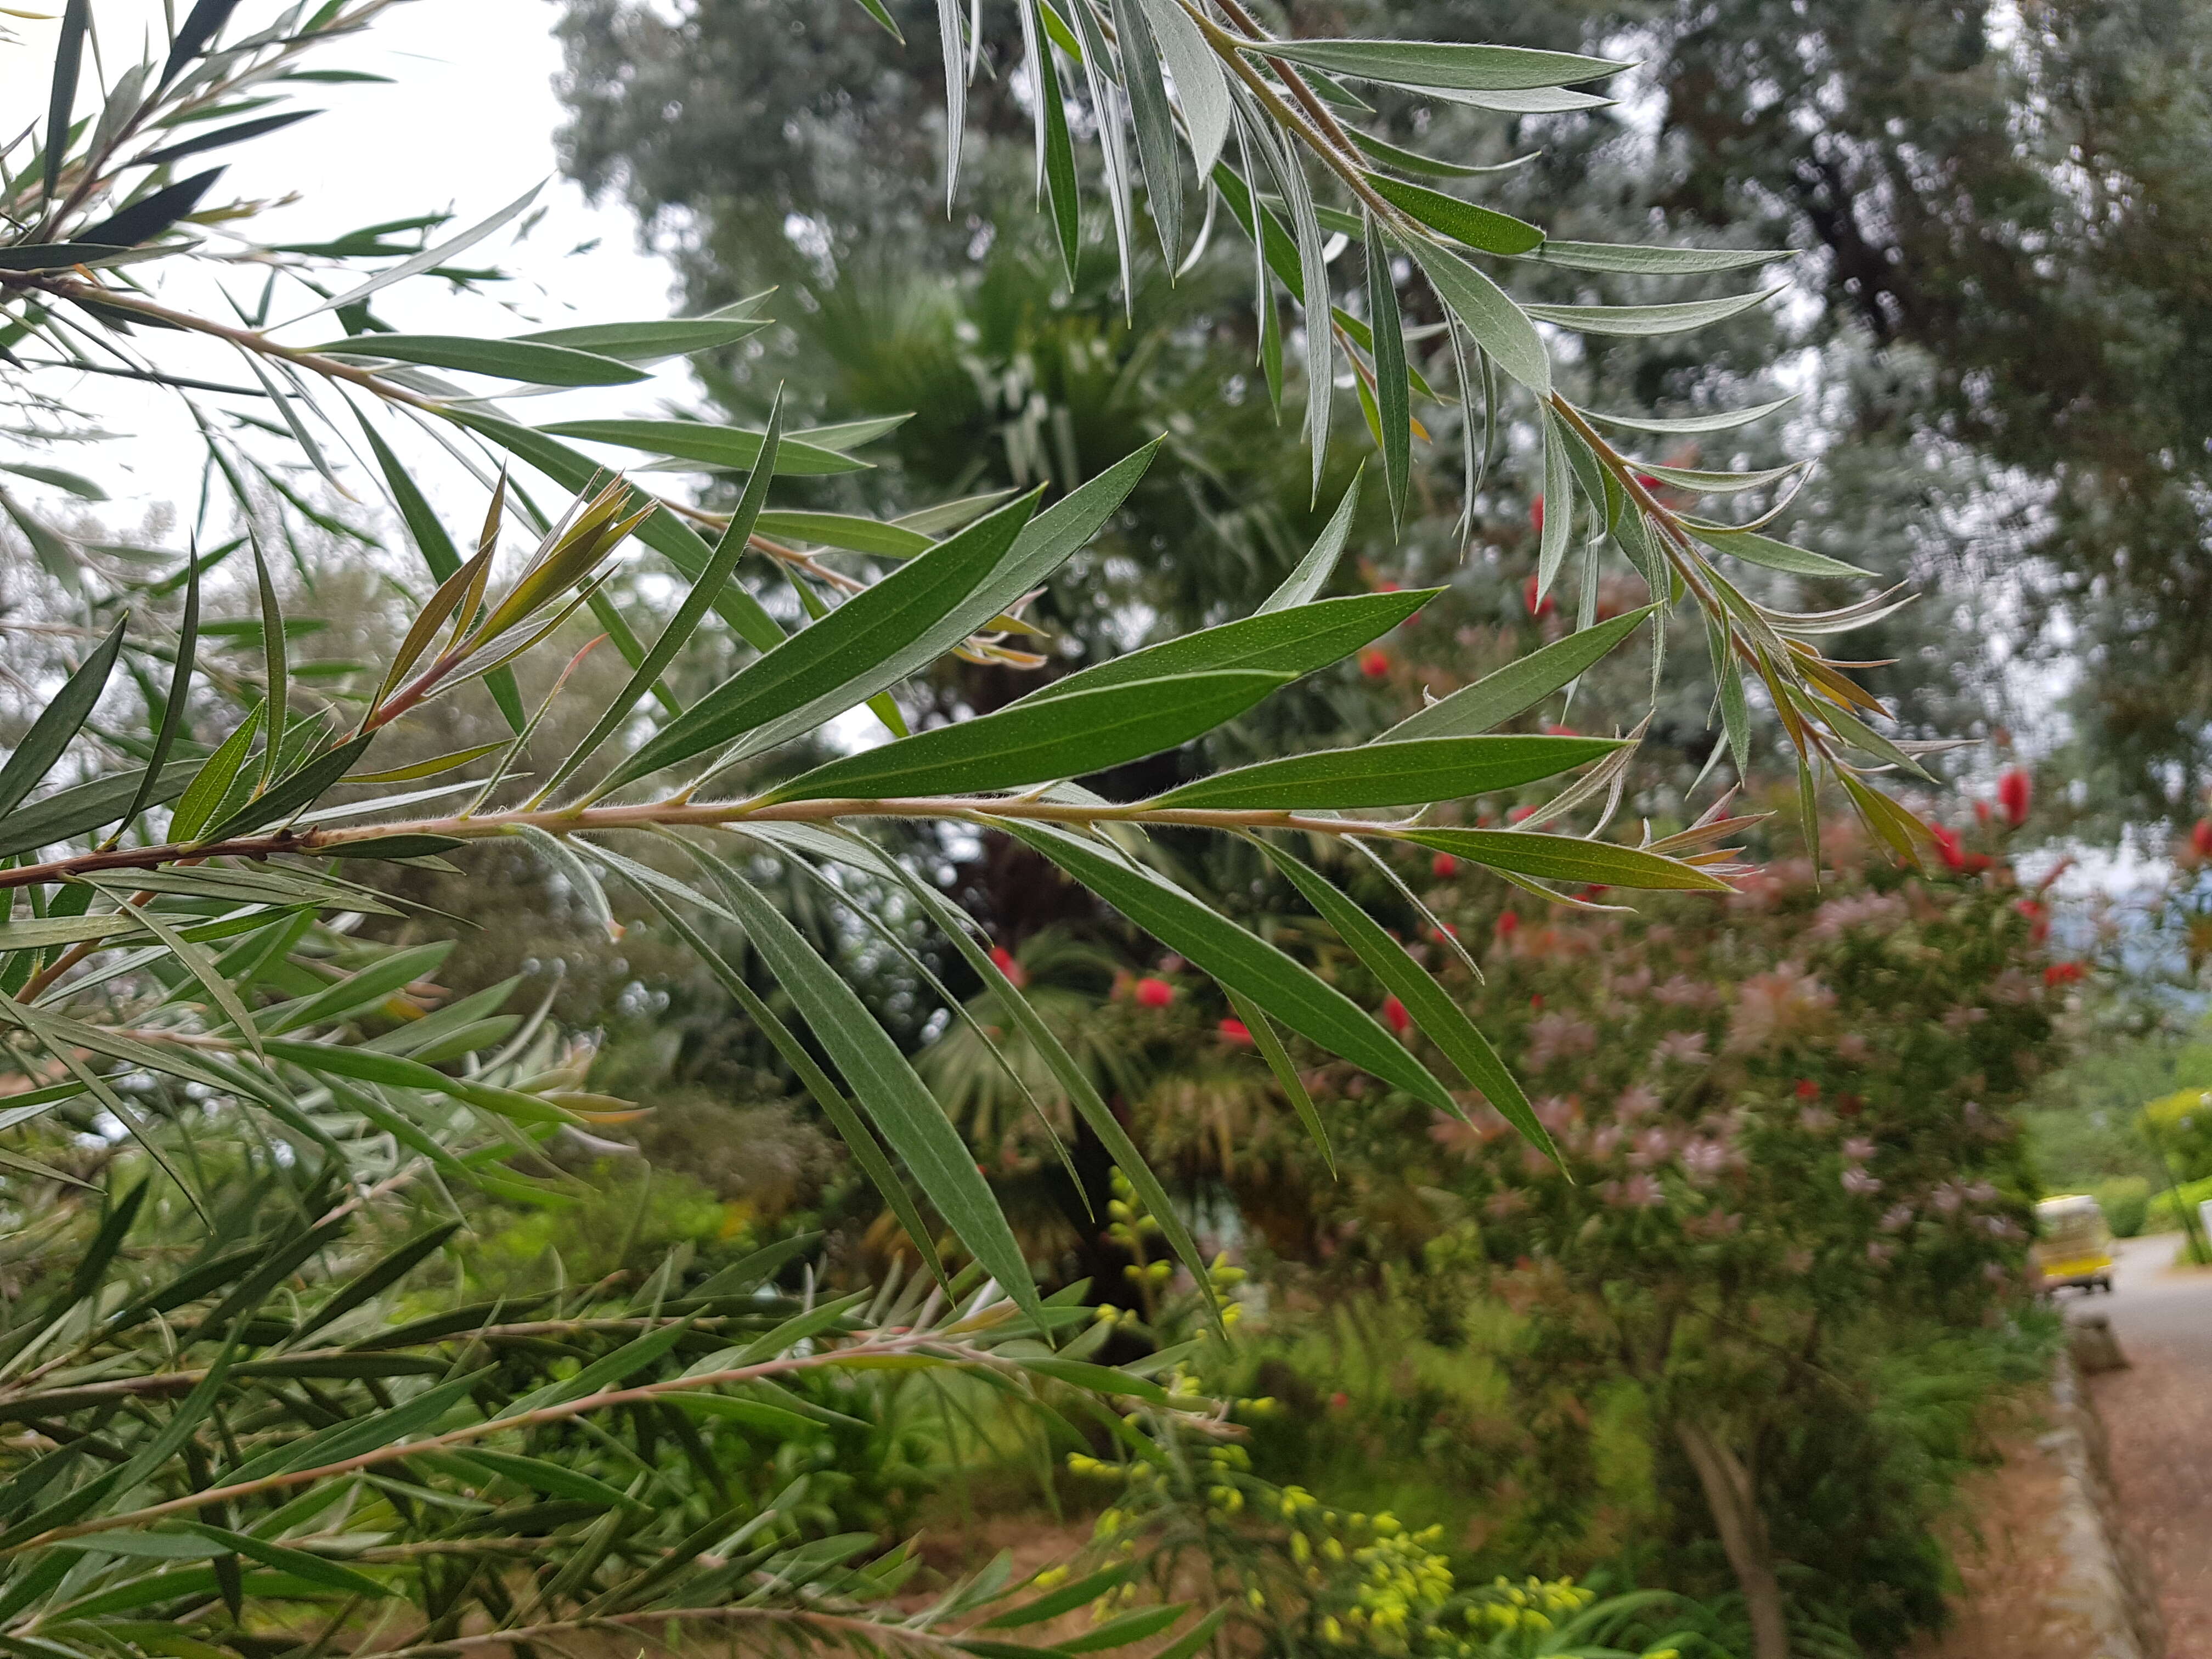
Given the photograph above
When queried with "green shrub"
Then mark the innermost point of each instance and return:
(2169, 1210)
(2126, 1205)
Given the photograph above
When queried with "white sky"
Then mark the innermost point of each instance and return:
(467, 125)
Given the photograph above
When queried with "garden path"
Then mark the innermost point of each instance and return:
(2159, 1412)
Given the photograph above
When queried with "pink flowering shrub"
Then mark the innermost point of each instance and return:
(1785, 1140)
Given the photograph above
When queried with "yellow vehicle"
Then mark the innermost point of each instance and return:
(2073, 1244)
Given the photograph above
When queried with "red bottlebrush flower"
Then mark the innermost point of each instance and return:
(1374, 662)
(1394, 1012)
(1981, 811)
(1509, 924)
(1561, 732)
(1339, 1401)
(1808, 1090)
(1520, 812)
(1649, 482)
(1947, 847)
(2039, 918)
(1536, 515)
(1445, 927)
(2200, 838)
(1536, 1001)
(1235, 1032)
(1154, 992)
(2062, 973)
(1538, 606)
(1443, 866)
(2016, 794)
(1977, 862)
(1386, 588)
(1003, 959)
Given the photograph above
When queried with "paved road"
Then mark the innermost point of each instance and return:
(2159, 1413)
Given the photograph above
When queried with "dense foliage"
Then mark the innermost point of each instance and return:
(247, 1119)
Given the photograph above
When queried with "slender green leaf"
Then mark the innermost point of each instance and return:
(1395, 773)
(1637, 321)
(1306, 583)
(1558, 502)
(864, 646)
(1430, 64)
(1775, 556)
(1498, 326)
(1656, 261)
(691, 612)
(644, 343)
(1152, 120)
(1026, 743)
(1721, 420)
(61, 97)
(1081, 1092)
(856, 1134)
(87, 806)
(898, 1101)
(1710, 483)
(1056, 152)
(1201, 87)
(1562, 858)
(1407, 161)
(508, 360)
(59, 721)
(1386, 341)
(1269, 1041)
(180, 685)
(845, 530)
(1463, 222)
(1239, 961)
(1286, 642)
(299, 790)
(1520, 686)
(212, 782)
(718, 446)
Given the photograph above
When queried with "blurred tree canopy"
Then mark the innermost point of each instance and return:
(2002, 333)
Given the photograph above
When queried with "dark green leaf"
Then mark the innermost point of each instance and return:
(901, 1106)
(148, 217)
(1463, 222)
(211, 782)
(1306, 583)
(295, 792)
(1288, 643)
(692, 611)
(1430, 63)
(61, 97)
(732, 446)
(1562, 858)
(58, 722)
(650, 342)
(1392, 397)
(506, 359)
(1432, 1009)
(1239, 961)
(1063, 736)
(1397, 774)
(231, 135)
(1519, 685)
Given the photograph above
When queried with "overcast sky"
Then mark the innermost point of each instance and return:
(466, 126)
